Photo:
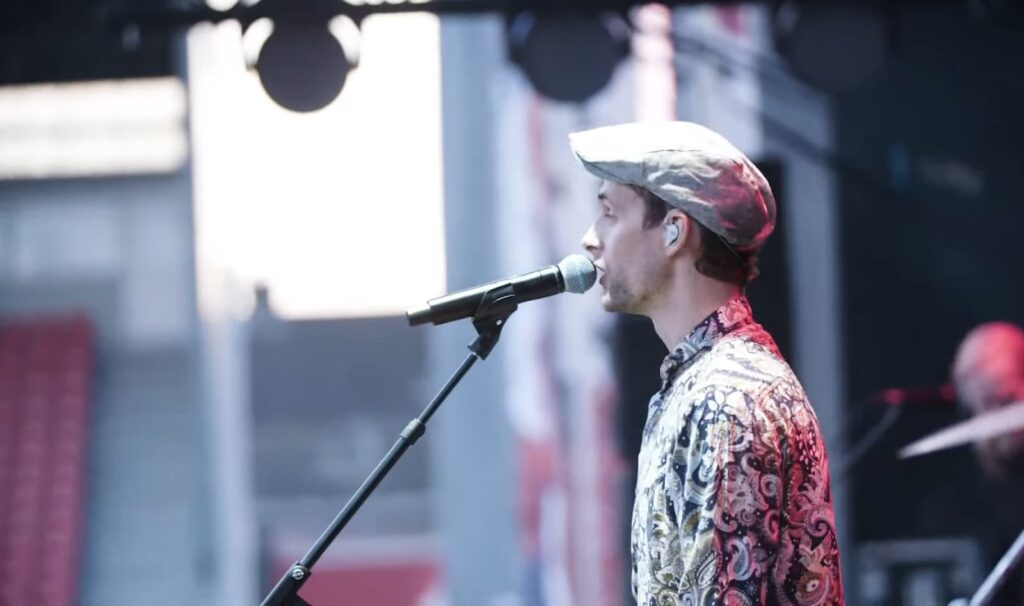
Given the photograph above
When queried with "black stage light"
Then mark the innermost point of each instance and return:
(835, 46)
(302, 66)
(568, 57)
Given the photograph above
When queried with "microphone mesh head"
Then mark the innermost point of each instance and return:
(578, 273)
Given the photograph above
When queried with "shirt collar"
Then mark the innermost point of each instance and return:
(731, 316)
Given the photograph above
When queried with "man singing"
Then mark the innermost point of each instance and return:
(733, 504)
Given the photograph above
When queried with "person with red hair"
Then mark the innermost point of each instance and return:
(988, 373)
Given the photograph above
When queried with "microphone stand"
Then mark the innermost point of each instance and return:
(1003, 571)
(495, 308)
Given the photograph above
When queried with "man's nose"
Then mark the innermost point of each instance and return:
(589, 241)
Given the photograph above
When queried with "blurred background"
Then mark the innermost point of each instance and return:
(214, 215)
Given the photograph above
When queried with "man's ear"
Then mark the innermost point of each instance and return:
(677, 229)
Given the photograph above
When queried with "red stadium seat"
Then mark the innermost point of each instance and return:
(46, 367)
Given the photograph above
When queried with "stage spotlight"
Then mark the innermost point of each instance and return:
(302, 66)
(221, 5)
(568, 57)
(834, 46)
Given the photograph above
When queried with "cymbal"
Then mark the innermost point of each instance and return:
(982, 427)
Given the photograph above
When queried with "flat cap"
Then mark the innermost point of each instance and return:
(689, 166)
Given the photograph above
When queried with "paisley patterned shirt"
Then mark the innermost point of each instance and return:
(733, 504)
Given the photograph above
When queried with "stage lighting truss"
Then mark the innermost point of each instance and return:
(568, 49)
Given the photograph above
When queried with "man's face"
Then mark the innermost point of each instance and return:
(988, 375)
(630, 258)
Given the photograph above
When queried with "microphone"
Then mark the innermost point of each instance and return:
(575, 273)
(942, 395)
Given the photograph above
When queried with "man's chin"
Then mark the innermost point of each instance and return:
(619, 306)
(611, 305)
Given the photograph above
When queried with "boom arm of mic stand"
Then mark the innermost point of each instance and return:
(495, 309)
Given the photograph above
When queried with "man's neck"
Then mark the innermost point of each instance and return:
(686, 305)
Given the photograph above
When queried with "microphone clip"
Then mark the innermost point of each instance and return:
(495, 307)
